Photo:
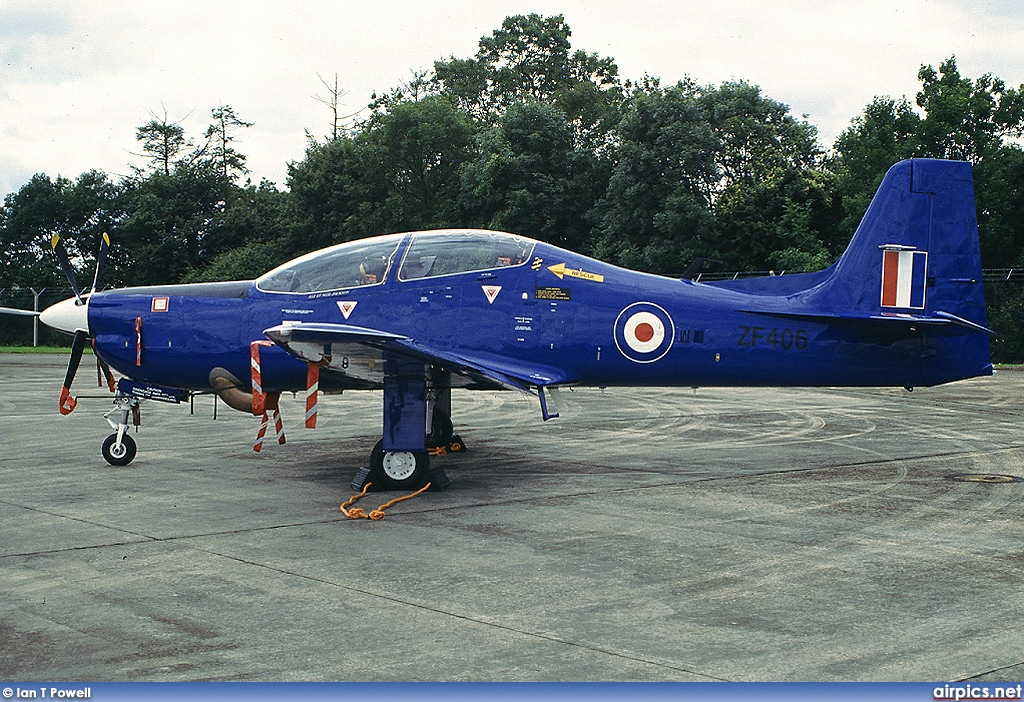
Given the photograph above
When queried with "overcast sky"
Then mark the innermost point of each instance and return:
(78, 77)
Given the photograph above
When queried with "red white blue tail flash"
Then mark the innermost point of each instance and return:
(904, 278)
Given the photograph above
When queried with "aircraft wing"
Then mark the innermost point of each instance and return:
(358, 353)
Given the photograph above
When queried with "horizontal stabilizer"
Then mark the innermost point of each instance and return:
(939, 318)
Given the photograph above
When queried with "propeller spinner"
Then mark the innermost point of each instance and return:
(69, 316)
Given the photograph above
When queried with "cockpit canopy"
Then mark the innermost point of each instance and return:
(370, 261)
(349, 265)
(451, 251)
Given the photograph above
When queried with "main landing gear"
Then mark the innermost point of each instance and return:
(410, 470)
(398, 470)
(417, 425)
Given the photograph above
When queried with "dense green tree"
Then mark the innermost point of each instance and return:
(973, 120)
(247, 237)
(886, 132)
(775, 223)
(964, 119)
(78, 211)
(723, 173)
(400, 172)
(467, 82)
(655, 215)
(529, 178)
(531, 59)
(766, 189)
(419, 147)
(30, 217)
(326, 189)
(999, 191)
(756, 137)
(170, 221)
(976, 121)
(246, 262)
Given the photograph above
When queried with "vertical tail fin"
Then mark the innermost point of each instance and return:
(907, 296)
(915, 260)
(916, 250)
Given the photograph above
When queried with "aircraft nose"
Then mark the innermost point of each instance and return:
(67, 316)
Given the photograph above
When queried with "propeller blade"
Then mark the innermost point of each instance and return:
(101, 259)
(14, 310)
(65, 263)
(67, 400)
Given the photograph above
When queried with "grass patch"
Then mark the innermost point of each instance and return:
(39, 349)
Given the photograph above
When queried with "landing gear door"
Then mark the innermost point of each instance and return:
(405, 407)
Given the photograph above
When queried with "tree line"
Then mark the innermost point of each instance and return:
(535, 138)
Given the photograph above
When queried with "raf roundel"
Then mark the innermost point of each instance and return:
(644, 332)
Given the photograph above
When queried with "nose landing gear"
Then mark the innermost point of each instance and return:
(119, 448)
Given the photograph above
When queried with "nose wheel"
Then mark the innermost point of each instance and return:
(118, 452)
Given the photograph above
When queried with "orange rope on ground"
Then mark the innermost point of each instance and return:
(358, 512)
(377, 514)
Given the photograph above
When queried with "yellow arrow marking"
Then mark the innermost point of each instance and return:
(560, 270)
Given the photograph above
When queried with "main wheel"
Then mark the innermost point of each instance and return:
(119, 455)
(398, 470)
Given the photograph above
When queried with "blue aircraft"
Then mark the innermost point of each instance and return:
(418, 314)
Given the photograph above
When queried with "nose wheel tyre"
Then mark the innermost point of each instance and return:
(398, 470)
(118, 455)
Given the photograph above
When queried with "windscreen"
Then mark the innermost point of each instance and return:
(350, 265)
